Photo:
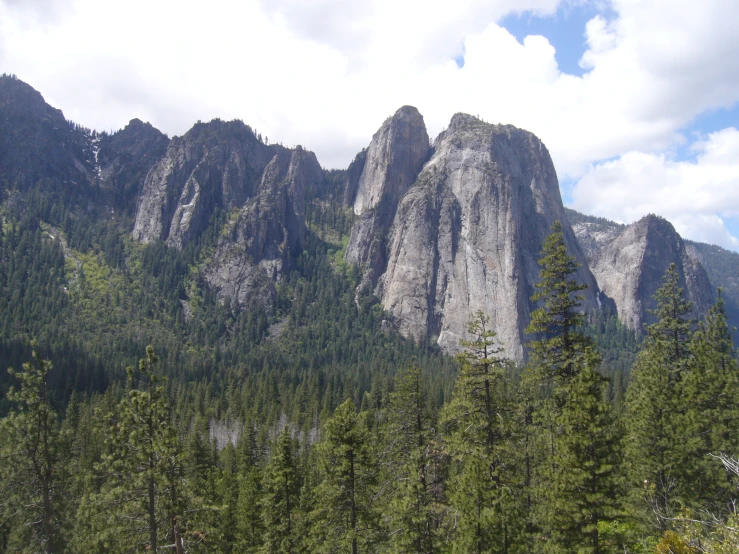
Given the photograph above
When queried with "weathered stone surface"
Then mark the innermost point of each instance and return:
(630, 266)
(258, 244)
(468, 234)
(593, 238)
(353, 174)
(216, 164)
(224, 165)
(388, 169)
(124, 158)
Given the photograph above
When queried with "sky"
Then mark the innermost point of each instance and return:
(637, 101)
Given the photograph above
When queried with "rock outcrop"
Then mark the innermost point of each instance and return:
(224, 165)
(389, 167)
(630, 266)
(124, 158)
(257, 245)
(468, 234)
(37, 142)
(216, 164)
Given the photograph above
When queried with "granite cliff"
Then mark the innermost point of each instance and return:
(465, 235)
(389, 166)
(629, 263)
(258, 243)
(225, 166)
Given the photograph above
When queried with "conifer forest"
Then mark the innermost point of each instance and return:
(345, 439)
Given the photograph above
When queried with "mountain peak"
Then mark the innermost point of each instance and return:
(629, 265)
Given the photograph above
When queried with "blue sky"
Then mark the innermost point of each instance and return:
(647, 123)
(565, 30)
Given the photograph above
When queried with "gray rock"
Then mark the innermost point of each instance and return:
(630, 267)
(224, 165)
(467, 236)
(257, 245)
(388, 169)
(593, 237)
(216, 164)
(124, 158)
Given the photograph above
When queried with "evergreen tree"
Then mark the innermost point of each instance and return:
(654, 408)
(413, 468)
(141, 504)
(249, 529)
(201, 477)
(710, 394)
(32, 477)
(280, 502)
(479, 425)
(344, 518)
(575, 485)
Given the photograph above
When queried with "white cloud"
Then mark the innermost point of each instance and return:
(694, 195)
(325, 74)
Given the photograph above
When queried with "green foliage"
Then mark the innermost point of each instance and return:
(280, 501)
(575, 486)
(345, 517)
(140, 503)
(479, 424)
(710, 391)
(413, 467)
(654, 408)
(32, 477)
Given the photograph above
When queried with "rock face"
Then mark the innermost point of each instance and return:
(630, 266)
(257, 245)
(467, 236)
(37, 142)
(216, 164)
(388, 168)
(124, 158)
(223, 165)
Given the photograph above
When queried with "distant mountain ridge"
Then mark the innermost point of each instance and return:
(440, 229)
(652, 244)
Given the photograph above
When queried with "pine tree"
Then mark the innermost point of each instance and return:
(32, 483)
(710, 394)
(478, 422)
(344, 518)
(140, 504)
(201, 476)
(280, 502)
(413, 468)
(249, 529)
(575, 486)
(655, 442)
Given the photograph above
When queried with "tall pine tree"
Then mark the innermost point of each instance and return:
(478, 422)
(655, 441)
(413, 468)
(345, 518)
(32, 484)
(574, 484)
(281, 502)
(141, 503)
(710, 392)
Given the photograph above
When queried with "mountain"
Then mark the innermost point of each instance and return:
(629, 262)
(224, 253)
(123, 159)
(389, 166)
(38, 143)
(223, 166)
(466, 230)
(226, 227)
(723, 271)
